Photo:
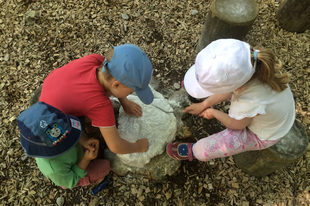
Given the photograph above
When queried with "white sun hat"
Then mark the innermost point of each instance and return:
(222, 67)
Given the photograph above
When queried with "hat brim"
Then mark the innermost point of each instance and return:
(41, 150)
(192, 85)
(145, 95)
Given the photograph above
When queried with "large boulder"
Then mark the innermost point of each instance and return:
(158, 124)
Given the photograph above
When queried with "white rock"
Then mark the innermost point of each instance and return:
(176, 85)
(23, 157)
(125, 16)
(158, 124)
(6, 57)
(10, 152)
(60, 201)
(194, 12)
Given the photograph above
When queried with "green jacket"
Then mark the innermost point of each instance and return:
(63, 170)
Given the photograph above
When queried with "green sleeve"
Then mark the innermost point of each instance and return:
(63, 170)
(67, 176)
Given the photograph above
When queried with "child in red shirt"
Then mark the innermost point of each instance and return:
(83, 87)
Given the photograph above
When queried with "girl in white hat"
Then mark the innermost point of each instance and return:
(262, 106)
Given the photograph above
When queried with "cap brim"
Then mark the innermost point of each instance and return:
(40, 150)
(192, 86)
(145, 95)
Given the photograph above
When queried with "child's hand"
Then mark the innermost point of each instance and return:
(90, 155)
(132, 108)
(194, 108)
(208, 113)
(90, 144)
(144, 144)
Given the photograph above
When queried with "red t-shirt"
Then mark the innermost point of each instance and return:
(75, 90)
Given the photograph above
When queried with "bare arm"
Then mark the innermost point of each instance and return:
(216, 98)
(119, 145)
(92, 147)
(210, 101)
(226, 120)
(83, 163)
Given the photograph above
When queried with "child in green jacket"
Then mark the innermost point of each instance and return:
(55, 140)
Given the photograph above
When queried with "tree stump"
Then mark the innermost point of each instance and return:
(286, 151)
(294, 15)
(227, 19)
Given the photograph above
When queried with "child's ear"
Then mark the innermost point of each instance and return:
(116, 84)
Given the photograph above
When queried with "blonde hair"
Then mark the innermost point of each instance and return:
(268, 70)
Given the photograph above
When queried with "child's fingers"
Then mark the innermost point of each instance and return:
(97, 145)
(187, 109)
(93, 144)
(138, 111)
(91, 154)
(204, 114)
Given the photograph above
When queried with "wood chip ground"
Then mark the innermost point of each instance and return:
(59, 31)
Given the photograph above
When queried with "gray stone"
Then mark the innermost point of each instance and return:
(286, 151)
(23, 157)
(29, 18)
(176, 85)
(6, 57)
(157, 169)
(125, 16)
(194, 12)
(60, 201)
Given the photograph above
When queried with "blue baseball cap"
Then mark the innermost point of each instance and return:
(131, 66)
(47, 132)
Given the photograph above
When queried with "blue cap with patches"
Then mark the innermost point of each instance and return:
(131, 66)
(47, 132)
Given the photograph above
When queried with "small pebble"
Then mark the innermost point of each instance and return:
(125, 16)
(10, 152)
(194, 12)
(60, 201)
(176, 85)
(6, 57)
(23, 157)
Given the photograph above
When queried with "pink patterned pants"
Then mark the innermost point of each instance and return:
(229, 142)
(96, 171)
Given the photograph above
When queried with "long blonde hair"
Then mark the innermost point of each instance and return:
(268, 70)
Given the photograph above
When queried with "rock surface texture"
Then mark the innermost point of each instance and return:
(158, 124)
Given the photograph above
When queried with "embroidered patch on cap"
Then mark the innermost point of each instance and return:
(56, 133)
(75, 124)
